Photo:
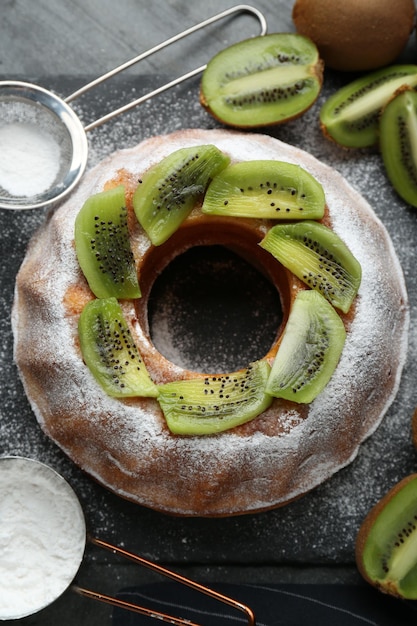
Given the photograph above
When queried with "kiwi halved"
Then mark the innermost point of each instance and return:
(212, 404)
(262, 81)
(103, 247)
(351, 115)
(109, 351)
(169, 190)
(398, 144)
(318, 257)
(265, 189)
(386, 545)
(309, 351)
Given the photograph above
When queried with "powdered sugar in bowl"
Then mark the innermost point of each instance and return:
(42, 536)
(42, 544)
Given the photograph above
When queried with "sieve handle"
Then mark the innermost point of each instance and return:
(168, 574)
(240, 8)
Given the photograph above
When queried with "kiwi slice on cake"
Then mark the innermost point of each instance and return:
(309, 351)
(386, 544)
(103, 247)
(265, 189)
(109, 351)
(263, 80)
(169, 190)
(318, 257)
(351, 115)
(398, 144)
(211, 404)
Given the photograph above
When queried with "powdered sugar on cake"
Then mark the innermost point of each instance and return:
(126, 445)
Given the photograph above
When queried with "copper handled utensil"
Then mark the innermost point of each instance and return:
(39, 509)
(178, 621)
(53, 116)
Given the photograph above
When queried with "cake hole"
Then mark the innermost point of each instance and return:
(212, 311)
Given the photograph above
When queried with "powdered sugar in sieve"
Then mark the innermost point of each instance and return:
(43, 145)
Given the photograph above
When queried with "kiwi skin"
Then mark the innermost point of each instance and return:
(387, 584)
(356, 35)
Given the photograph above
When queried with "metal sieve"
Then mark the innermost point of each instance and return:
(39, 484)
(49, 121)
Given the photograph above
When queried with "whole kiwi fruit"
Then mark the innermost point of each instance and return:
(356, 35)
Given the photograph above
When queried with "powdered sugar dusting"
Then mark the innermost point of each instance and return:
(306, 451)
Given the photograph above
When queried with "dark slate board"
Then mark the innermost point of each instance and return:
(318, 529)
(273, 605)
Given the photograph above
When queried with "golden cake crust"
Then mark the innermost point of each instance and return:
(125, 444)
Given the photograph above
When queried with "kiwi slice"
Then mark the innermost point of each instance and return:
(103, 247)
(262, 81)
(109, 351)
(318, 257)
(265, 189)
(169, 190)
(386, 544)
(351, 115)
(204, 406)
(398, 128)
(309, 351)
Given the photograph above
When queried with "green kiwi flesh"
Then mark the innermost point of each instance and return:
(318, 257)
(265, 189)
(398, 144)
(309, 351)
(109, 351)
(386, 545)
(351, 116)
(204, 406)
(169, 190)
(201, 176)
(103, 247)
(262, 81)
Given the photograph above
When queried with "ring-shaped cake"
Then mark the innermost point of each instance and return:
(124, 443)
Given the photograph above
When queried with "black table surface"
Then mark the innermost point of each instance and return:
(310, 540)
